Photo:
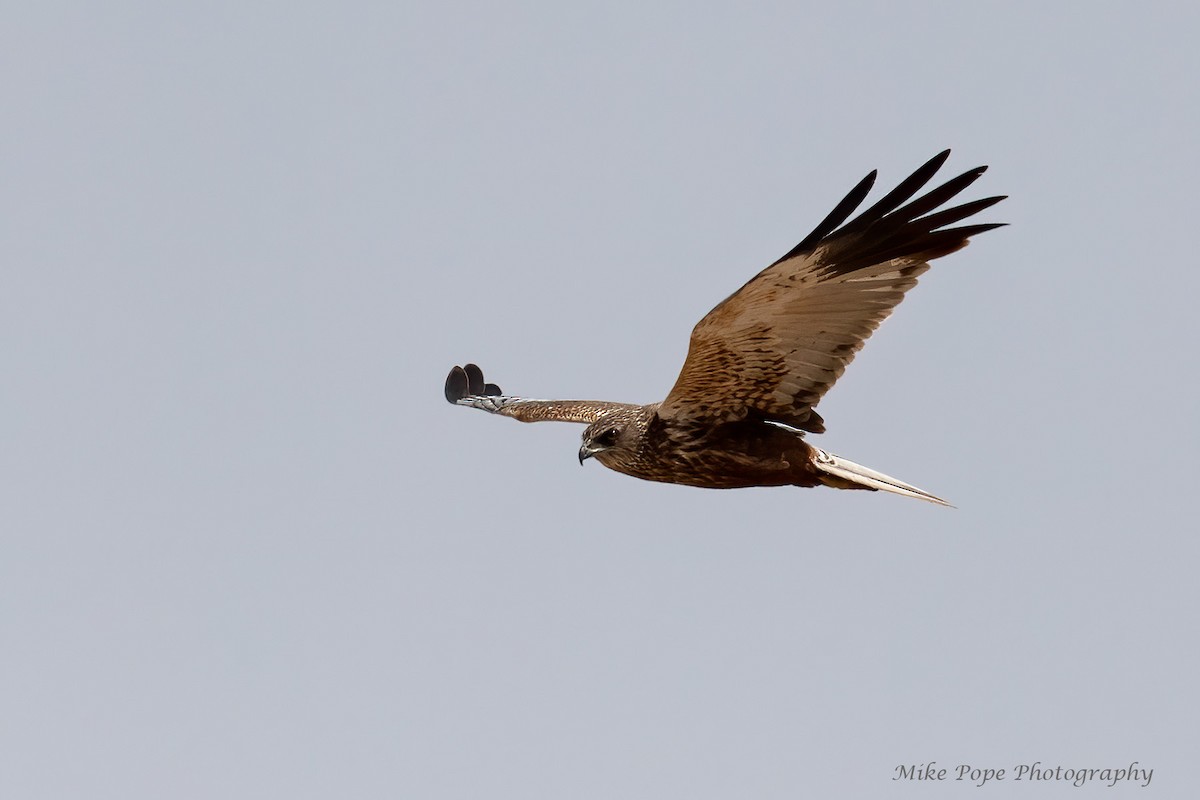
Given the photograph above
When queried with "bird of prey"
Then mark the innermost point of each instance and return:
(762, 359)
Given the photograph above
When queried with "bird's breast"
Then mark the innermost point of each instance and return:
(725, 456)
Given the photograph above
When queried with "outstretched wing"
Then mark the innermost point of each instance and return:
(465, 387)
(775, 346)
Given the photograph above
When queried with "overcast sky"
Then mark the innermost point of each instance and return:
(249, 551)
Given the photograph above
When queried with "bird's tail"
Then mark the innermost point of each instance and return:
(845, 474)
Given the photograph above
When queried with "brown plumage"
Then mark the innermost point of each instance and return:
(761, 360)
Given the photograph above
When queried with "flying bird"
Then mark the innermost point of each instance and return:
(760, 362)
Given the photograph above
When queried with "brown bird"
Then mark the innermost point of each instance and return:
(760, 361)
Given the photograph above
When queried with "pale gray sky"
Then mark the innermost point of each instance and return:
(249, 551)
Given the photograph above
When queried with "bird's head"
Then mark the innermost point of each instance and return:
(613, 436)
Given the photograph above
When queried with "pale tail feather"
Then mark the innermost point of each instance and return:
(858, 474)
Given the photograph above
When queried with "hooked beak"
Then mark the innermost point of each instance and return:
(587, 451)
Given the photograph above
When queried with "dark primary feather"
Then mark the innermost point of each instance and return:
(840, 214)
(457, 385)
(466, 381)
(907, 188)
(888, 230)
(886, 204)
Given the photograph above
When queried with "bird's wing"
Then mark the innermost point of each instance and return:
(774, 347)
(465, 387)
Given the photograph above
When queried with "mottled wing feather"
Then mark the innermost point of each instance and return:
(465, 386)
(774, 347)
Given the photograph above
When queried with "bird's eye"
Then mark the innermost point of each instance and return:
(608, 438)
